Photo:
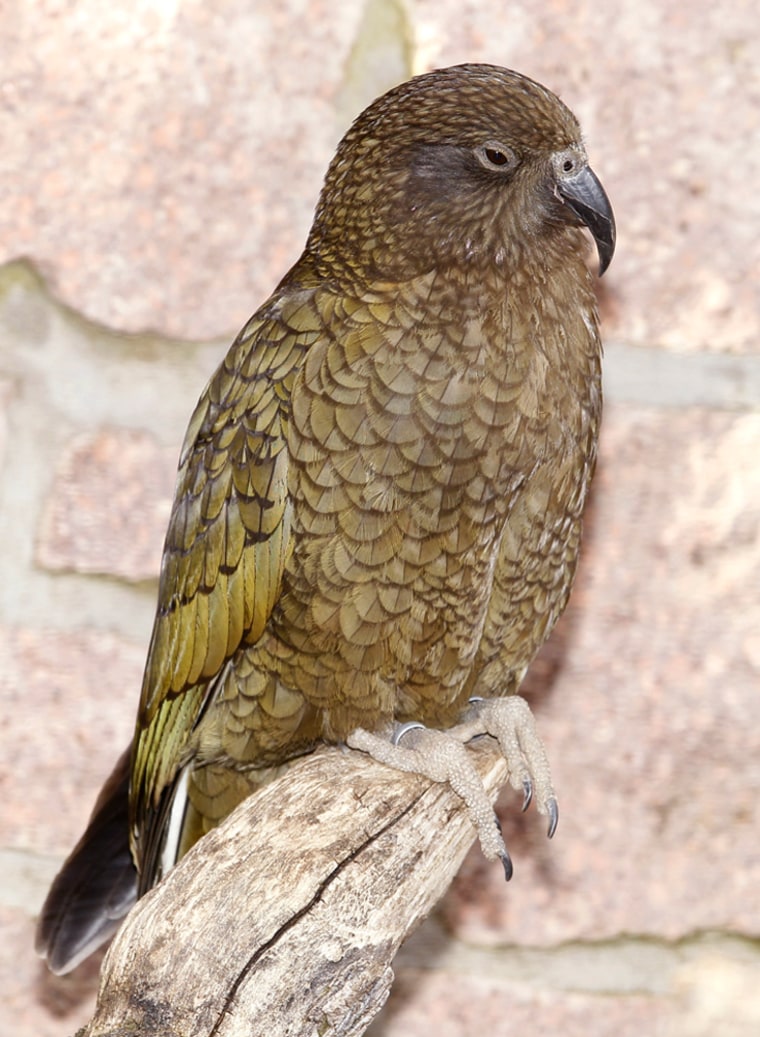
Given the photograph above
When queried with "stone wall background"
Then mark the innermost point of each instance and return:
(159, 165)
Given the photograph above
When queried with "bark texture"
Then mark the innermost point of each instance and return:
(286, 919)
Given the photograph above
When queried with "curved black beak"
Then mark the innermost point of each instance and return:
(584, 195)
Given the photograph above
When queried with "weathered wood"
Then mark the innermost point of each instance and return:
(285, 920)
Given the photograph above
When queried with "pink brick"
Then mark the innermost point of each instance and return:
(108, 507)
(69, 701)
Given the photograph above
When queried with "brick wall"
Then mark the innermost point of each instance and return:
(158, 169)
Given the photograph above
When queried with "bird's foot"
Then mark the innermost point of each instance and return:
(510, 721)
(442, 756)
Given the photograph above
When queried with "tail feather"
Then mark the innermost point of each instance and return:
(97, 884)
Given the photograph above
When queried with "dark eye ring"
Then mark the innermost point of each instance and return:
(495, 156)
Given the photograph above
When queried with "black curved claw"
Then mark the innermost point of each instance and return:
(553, 810)
(506, 861)
(527, 792)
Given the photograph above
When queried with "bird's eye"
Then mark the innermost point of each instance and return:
(495, 156)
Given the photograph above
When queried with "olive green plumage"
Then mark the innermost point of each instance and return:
(378, 507)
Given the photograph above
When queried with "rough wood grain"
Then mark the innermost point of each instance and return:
(285, 920)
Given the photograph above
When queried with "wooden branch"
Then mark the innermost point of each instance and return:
(285, 920)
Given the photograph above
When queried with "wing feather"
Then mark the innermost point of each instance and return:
(227, 543)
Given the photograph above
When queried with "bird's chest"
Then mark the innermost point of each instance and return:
(410, 446)
(419, 420)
